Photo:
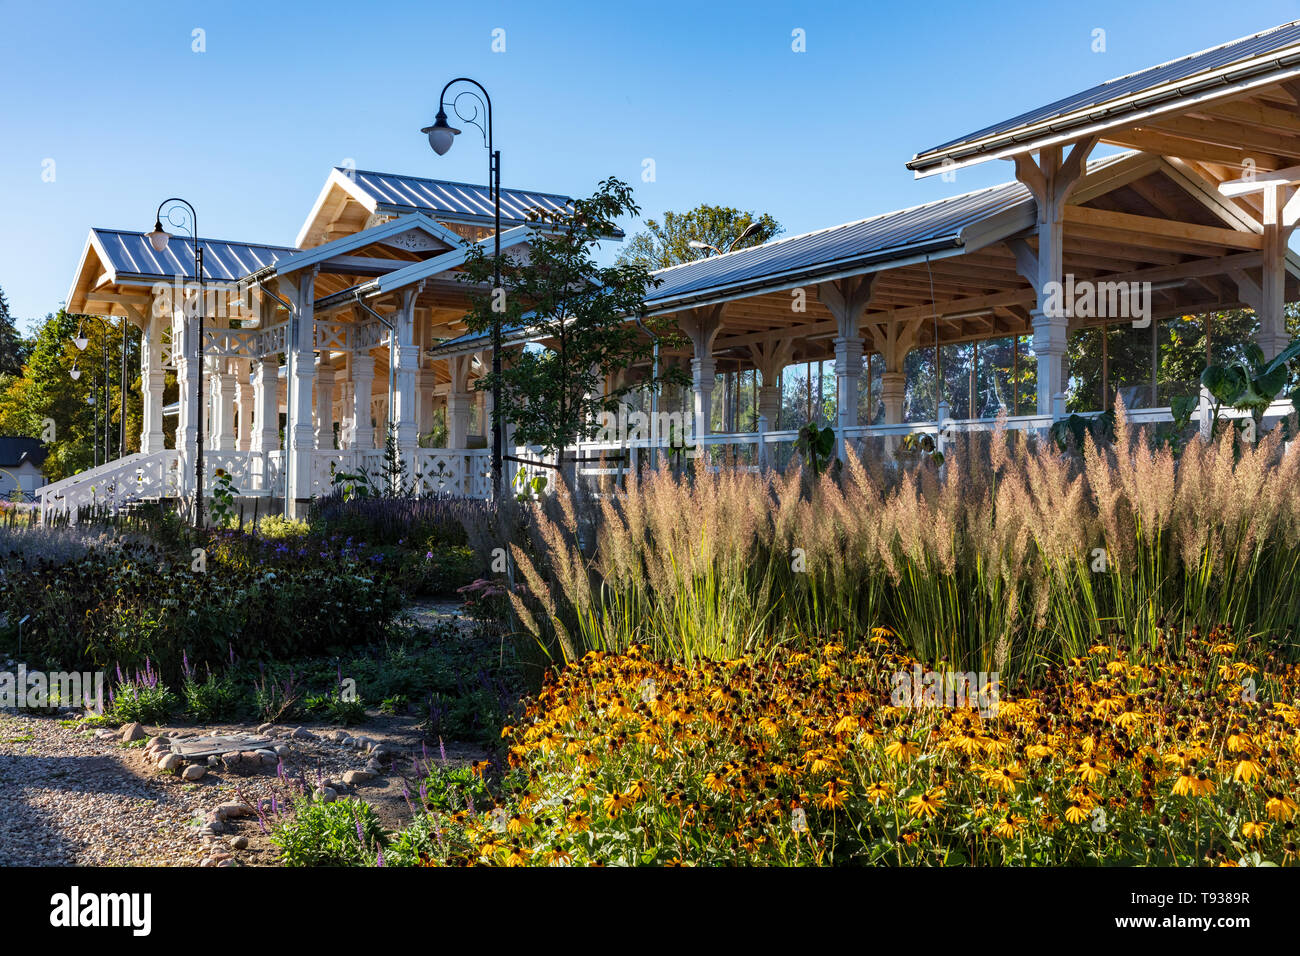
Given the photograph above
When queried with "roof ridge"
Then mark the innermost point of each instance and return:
(449, 182)
(842, 225)
(233, 242)
(1191, 56)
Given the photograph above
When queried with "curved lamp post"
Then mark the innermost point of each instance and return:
(158, 239)
(441, 136)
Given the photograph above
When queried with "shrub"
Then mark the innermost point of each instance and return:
(127, 606)
(280, 528)
(142, 697)
(390, 521)
(216, 697)
(343, 833)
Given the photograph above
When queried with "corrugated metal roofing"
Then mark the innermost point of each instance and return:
(130, 252)
(879, 238)
(1247, 48)
(452, 200)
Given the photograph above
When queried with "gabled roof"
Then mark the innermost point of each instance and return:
(15, 452)
(425, 269)
(128, 254)
(394, 195)
(124, 256)
(1256, 60)
(375, 234)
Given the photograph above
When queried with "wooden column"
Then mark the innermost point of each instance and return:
(847, 299)
(1050, 180)
(702, 327)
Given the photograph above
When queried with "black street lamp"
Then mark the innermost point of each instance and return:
(159, 239)
(441, 136)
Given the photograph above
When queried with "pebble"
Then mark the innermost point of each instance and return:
(170, 762)
(353, 777)
(239, 842)
(194, 771)
(326, 794)
(265, 728)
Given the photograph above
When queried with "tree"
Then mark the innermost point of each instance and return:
(13, 350)
(44, 401)
(665, 244)
(581, 314)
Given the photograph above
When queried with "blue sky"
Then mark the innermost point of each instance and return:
(712, 92)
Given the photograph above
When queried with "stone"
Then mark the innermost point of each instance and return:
(341, 736)
(106, 734)
(281, 750)
(302, 734)
(233, 760)
(269, 756)
(159, 742)
(194, 771)
(353, 777)
(170, 762)
(226, 811)
(219, 745)
(226, 863)
(374, 767)
(214, 761)
(326, 794)
(132, 732)
(335, 785)
(265, 728)
(250, 757)
(239, 842)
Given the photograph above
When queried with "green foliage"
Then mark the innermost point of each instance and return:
(581, 310)
(667, 243)
(130, 604)
(221, 512)
(1070, 432)
(1251, 382)
(816, 445)
(44, 392)
(280, 528)
(345, 832)
(215, 697)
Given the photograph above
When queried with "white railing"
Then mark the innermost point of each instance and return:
(112, 485)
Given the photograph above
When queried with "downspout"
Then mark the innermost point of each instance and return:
(288, 385)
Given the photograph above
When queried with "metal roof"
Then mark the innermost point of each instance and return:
(465, 202)
(1093, 102)
(948, 226)
(879, 241)
(129, 253)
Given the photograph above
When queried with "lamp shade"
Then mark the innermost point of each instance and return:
(440, 134)
(81, 342)
(75, 373)
(159, 237)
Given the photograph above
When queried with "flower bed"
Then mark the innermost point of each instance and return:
(1173, 751)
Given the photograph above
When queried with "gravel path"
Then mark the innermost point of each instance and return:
(69, 797)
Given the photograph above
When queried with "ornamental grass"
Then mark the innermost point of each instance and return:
(1010, 554)
(1170, 750)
